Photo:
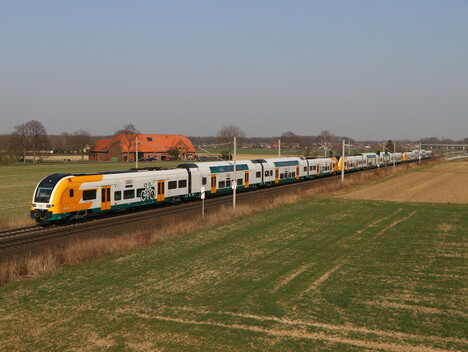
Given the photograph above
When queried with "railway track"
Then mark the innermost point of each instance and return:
(38, 235)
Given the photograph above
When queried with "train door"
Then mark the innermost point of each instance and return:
(161, 187)
(246, 179)
(213, 183)
(276, 175)
(297, 172)
(105, 198)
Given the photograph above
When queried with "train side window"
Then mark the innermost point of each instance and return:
(305, 168)
(72, 193)
(239, 182)
(182, 183)
(89, 194)
(139, 192)
(258, 174)
(222, 184)
(228, 183)
(117, 195)
(172, 185)
(203, 182)
(129, 194)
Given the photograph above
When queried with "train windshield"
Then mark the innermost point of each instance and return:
(43, 195)
(46, 186)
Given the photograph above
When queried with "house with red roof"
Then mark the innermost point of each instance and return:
(150, 146)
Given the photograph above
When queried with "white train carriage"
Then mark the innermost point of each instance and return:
(265, 172)
(384, 159)
(426, 154)
(322, 166)
(351, 163)
(68, 196)
(218, 176)
(371, 160)
(282, 170)
(396, 157)
(410, 156)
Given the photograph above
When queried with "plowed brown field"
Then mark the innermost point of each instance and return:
(444, 183)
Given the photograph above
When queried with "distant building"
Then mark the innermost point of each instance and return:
(150, 146)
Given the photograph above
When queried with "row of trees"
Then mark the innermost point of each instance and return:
(31, 138)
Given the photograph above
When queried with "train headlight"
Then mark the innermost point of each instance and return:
(34, 205)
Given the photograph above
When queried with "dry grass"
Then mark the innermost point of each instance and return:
(16, 221)
(77, 251)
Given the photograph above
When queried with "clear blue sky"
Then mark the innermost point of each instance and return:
(366, 69)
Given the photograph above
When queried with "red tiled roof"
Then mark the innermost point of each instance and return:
(101, 145)
(146, 143)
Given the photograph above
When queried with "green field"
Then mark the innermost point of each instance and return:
(18, 181)
(321, 275)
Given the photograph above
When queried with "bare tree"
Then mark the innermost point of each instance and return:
(290, 139)
(389, 146)
(19, 141)
(326, 140)
(64, 141)
(80, 140)
(226, 136)
(128, 134)
(31, 135)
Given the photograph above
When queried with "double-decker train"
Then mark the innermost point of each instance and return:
(61, 197)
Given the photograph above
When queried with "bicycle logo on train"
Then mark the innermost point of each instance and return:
(148, 193)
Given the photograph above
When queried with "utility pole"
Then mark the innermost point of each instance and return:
(202, 195)
(136, 153)
(383, 155)
(419, 152)
(394, 150)
(234, 185)
(279, 148)
(343, 162)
